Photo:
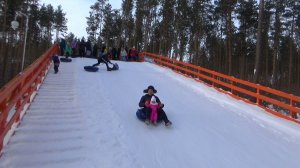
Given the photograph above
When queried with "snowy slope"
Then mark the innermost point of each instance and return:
(94, 125)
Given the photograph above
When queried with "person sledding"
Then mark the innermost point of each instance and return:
(103, 58)
(152, 107)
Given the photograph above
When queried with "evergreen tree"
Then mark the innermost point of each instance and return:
(139, 25)
(112, 26)
(266, 49)
(259, 41)
(127, 22)
(117, 28)
(290, 15)
(213, 44)
(246, 14)
(46, 20)
(167, 26)
(277, 29)
(34, 34)
(60, 21)
(149, 22)
(12, 41)
(226, 9)
(95, 20)
(181, 29)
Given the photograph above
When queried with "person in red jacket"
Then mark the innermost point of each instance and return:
(132, 54)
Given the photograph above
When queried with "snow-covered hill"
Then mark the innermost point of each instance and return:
(83, 119)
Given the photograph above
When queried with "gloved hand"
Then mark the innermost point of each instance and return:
(161, 105)
(147, 103)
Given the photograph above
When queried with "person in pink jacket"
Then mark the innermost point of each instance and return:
(153, 105)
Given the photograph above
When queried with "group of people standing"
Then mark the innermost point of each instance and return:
(82, 48)
(129, 54)
(78, 48)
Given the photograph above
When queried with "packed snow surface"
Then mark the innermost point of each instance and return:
(83, 119)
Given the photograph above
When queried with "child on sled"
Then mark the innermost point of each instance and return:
(153, 105)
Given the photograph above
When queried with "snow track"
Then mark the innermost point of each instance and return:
(52, 133)
(83, 119)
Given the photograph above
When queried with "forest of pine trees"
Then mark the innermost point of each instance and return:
(254, 40)
(44, 20)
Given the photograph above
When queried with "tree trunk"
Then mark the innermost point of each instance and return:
(258, 43)
(229, 41)
(298, 75)
(267, 65)
(3, 56)
(242, 65)
(196, 49)
(291, 55)
(276, 46)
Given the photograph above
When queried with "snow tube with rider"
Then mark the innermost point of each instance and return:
(91, 68)
(65, 59)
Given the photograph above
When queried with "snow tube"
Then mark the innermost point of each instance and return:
(140, 114)
(91, 68)
(115, 67)
(65, 59)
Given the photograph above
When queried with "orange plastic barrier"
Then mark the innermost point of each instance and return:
(281, 104)
(16, 96)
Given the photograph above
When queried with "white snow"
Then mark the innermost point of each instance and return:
(83, 119)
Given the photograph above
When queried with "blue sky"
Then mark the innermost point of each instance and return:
(76, 11)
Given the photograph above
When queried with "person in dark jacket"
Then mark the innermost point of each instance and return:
(95, 50)
(56, 62)
(88, 48)
(62, 46)
(103, 57)
(82, 46)
(146, 100)
(114, 53)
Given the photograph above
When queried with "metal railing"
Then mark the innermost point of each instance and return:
(16, 96)
(279, 103)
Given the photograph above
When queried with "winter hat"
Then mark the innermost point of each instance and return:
(150, 87)
(153, 100)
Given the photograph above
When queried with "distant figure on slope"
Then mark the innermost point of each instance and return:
(145, 103)
(123, 54)
(56, 63)
(132, 54)
(62, 46)
(82, 46)
(67, 50)
(103, 57)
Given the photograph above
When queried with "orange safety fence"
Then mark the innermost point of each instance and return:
(281, 104)
(16, 96)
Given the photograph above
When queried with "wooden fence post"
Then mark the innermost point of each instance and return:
(258, 101)
(292, 113)
(3, 107)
